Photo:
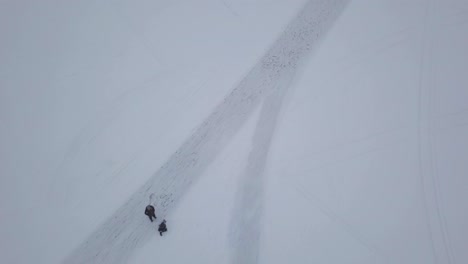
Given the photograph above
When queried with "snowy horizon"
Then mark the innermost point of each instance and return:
(263, 131)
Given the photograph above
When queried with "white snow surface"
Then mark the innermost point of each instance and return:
(266, 131)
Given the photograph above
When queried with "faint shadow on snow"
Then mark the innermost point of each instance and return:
(127, 229)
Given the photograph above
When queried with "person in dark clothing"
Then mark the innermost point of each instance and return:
(162, 227)
(149, 211)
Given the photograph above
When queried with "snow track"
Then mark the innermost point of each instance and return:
(248, 212)
(127, 229)
(300, 37)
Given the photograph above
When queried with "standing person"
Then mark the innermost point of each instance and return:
(162, 227)
(149, 211)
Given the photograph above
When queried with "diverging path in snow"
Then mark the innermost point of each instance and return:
(248, 210)
(301, 36)
(127, 229)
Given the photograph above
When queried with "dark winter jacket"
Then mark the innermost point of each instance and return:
(162, 227)
(149, 210)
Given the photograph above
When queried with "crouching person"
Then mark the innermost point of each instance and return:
(162, 227)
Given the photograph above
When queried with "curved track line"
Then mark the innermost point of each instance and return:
(299, 38)
(427, 153)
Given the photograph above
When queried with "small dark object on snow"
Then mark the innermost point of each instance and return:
(149, 211)
(162, 227)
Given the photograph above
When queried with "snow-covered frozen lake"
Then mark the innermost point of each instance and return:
(266, 131)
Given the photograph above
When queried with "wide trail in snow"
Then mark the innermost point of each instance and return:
(128, 228)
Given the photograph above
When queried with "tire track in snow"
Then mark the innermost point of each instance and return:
(299, 38)
(436, 221)
(248, 210)
(128, 228)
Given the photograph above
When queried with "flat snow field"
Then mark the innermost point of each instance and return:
(272, 131)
